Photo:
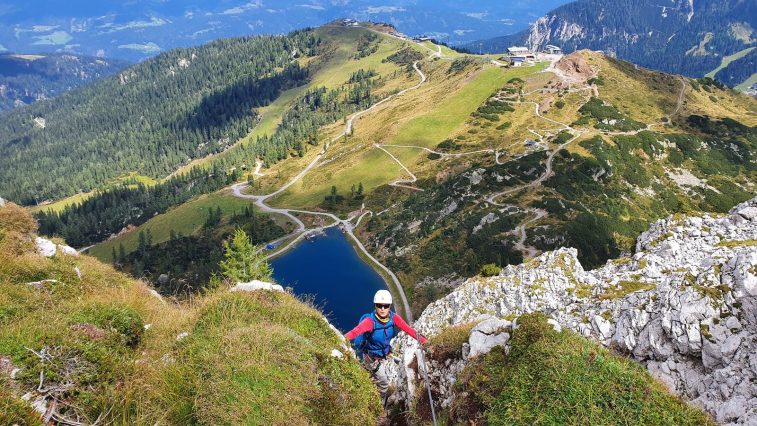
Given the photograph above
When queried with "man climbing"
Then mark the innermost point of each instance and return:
(373, 335)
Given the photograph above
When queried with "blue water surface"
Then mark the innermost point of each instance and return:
(329, 268)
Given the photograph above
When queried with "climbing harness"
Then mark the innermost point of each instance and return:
(424, 371)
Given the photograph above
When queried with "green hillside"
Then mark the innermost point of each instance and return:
(446, 165)
(558, 378)
(97, 346)
(469, 149)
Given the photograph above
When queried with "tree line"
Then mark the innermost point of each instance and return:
(107, 212)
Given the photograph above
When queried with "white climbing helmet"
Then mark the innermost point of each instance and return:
(382, 296)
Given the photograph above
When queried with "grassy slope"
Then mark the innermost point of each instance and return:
(423, 117)
(661, 94)
(243, 353)
(552, 378)
(622, 218)
(59, 205)
(186, 219)
(748, 83)
(727, 60)
(332, 72)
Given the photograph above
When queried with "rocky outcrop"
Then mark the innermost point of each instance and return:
(256, 285)
(684, 305)
(48, 248)
(552, 29)
(574, 68)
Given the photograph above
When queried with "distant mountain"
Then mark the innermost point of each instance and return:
(27, 78)
(678, 36)
(137, 30)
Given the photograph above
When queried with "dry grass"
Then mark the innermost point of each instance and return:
(257, 358)
(728, 103)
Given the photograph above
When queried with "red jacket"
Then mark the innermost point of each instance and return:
(367, 325)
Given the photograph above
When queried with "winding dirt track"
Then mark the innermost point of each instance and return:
(348, 226)
(299, 233)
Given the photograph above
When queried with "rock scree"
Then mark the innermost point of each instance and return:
(684, 306)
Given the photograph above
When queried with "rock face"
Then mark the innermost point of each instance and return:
(553, 29)
(685, 306)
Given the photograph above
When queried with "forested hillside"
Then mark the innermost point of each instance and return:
(150, 118)
(681, 37)
(107, 212)
(25, 79)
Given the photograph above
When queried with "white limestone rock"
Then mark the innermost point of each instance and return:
(67, 250)
(39, 285)
(45, 247)
(256, 285)
(685, 306)
(487, 335)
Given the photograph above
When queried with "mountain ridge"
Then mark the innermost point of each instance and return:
(25, 79)
(684, 37)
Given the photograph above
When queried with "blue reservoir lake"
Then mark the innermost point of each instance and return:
(328, 268)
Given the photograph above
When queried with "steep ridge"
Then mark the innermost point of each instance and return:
(81, 343)
(684, 306)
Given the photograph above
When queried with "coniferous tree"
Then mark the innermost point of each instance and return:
(244, 261)
(142, 245)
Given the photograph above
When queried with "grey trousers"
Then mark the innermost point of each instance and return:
(377, 368)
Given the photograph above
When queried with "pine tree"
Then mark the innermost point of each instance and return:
(142, 247)
(244, 261)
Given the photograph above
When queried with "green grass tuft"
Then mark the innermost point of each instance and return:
(264, 358)
(626, 287)
(449, 343)
(552, 378)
